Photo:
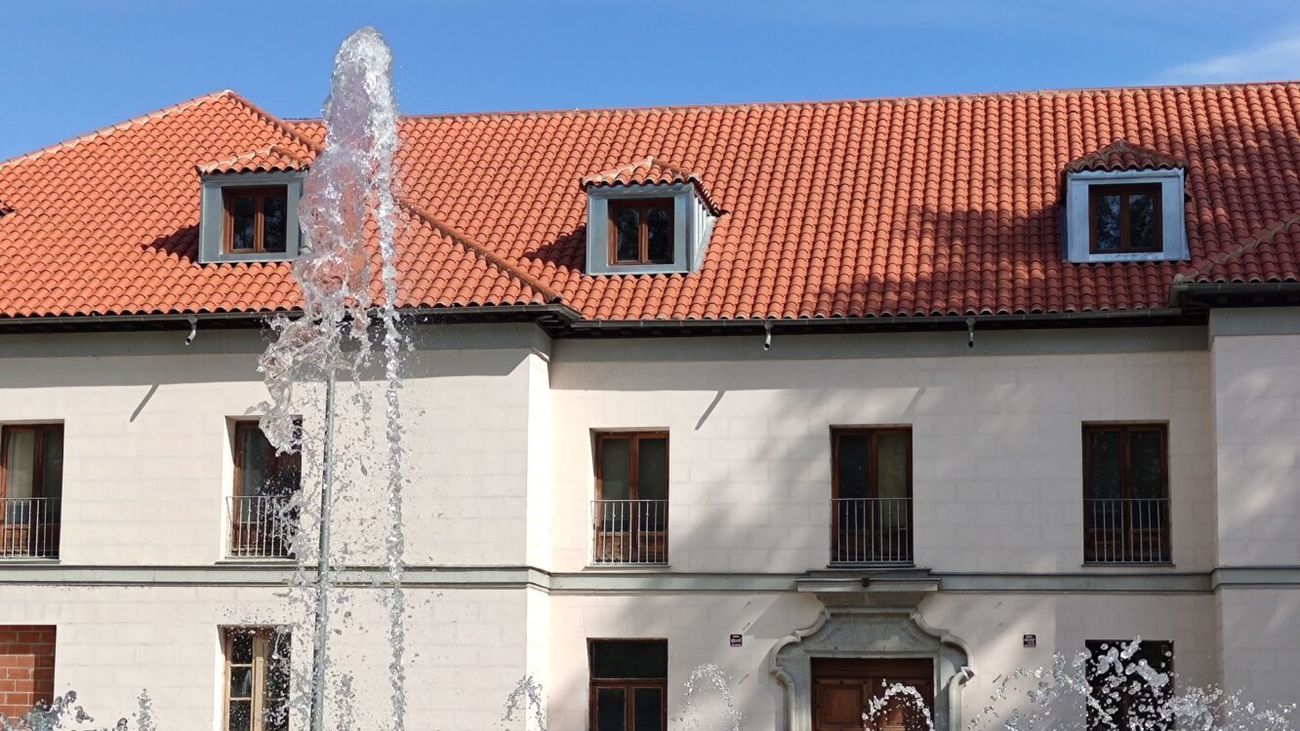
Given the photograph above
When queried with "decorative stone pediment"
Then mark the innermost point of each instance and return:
(867, 632)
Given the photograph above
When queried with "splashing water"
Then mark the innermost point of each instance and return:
(527, 696)
(144, 712)
(703, 679)
(898, 697)
(354, 174)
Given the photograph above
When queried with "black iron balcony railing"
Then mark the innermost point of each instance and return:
(261, 526)
(630, 531)
(29, 527)
(871, 531)
(1126, 530)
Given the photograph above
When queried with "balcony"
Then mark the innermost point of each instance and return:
(29, 527)
(871, 531)
(630, 532)
(1126, 531)
(261, 526)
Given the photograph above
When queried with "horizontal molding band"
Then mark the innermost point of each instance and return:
(636, 581)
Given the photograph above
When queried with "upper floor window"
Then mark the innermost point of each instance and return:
(629, 684)
(1131, 685)
(31, 490)
(250, 216)
(1125, 493)
(630, 512)
(641, 231)
(256, 678)
(256, 220)
(262, 516)
(1125, 218)
(1124, 203)
(871, 495)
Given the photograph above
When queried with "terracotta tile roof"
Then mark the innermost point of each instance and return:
(1120, 156)
(273, 158)
(891, 207)
(647, 171)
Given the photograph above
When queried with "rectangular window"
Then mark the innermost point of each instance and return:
(630, 512)
(261, 512)
(1125, 493)
(256, 678)
(871, 495)
(629, 685)
(1130, 684)
(1124, 218)
(256, 220)
(31, 490)
(641, 231)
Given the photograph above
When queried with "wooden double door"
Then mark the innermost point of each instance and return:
(843, 688)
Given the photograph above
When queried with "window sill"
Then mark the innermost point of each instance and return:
(254, 561)
(626, 566)
(1129, 565)
(30, 560)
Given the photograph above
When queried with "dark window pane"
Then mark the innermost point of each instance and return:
(52, 462)
(243, 221)
(851, 465)
(891, 464)
(1106, 463)
(255, 468)
(610, 709)
(1120, 688)
(621, 659)
(241, 716)
(652, 469)
(277, 675)
(274, 222)
(1107, 222)
(659, 231)
(615, 469)
(648, 709)
(276, 717)
(241, 648)
(1147, 461)
(627, 243)
(1141, 221)
(241, 682)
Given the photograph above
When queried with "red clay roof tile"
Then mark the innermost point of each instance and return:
(269, 159)
(890, 207)
(1120, 155)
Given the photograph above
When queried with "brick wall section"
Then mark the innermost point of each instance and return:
(26, 667)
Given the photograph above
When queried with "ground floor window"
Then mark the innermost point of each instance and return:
(629, 684)
(1131, 681)
(256, 678)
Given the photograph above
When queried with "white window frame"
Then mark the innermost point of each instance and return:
(1172, 220)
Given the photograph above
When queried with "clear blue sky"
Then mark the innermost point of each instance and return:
(67, 68)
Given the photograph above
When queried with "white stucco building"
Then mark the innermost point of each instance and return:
(847, 397)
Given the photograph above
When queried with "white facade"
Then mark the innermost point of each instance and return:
(499, 423)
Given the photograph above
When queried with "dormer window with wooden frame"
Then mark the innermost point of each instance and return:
(1124, 219)
(647, 217)
(1124, 203)
(256, 220)
(250, 216)
(641, 231)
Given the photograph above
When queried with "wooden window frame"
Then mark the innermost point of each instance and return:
(873, 488)
(1124, 190)
(38, 459)
(1126, 487)
(628, 685)
(643, 207)
(237, 455)
(653, 542)
(259, 196)
(262, 637)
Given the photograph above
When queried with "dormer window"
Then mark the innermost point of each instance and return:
(1124, 203)
(648, 217)
(256, 220)
(250, 207)
(641, 231)
(1125, 219)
